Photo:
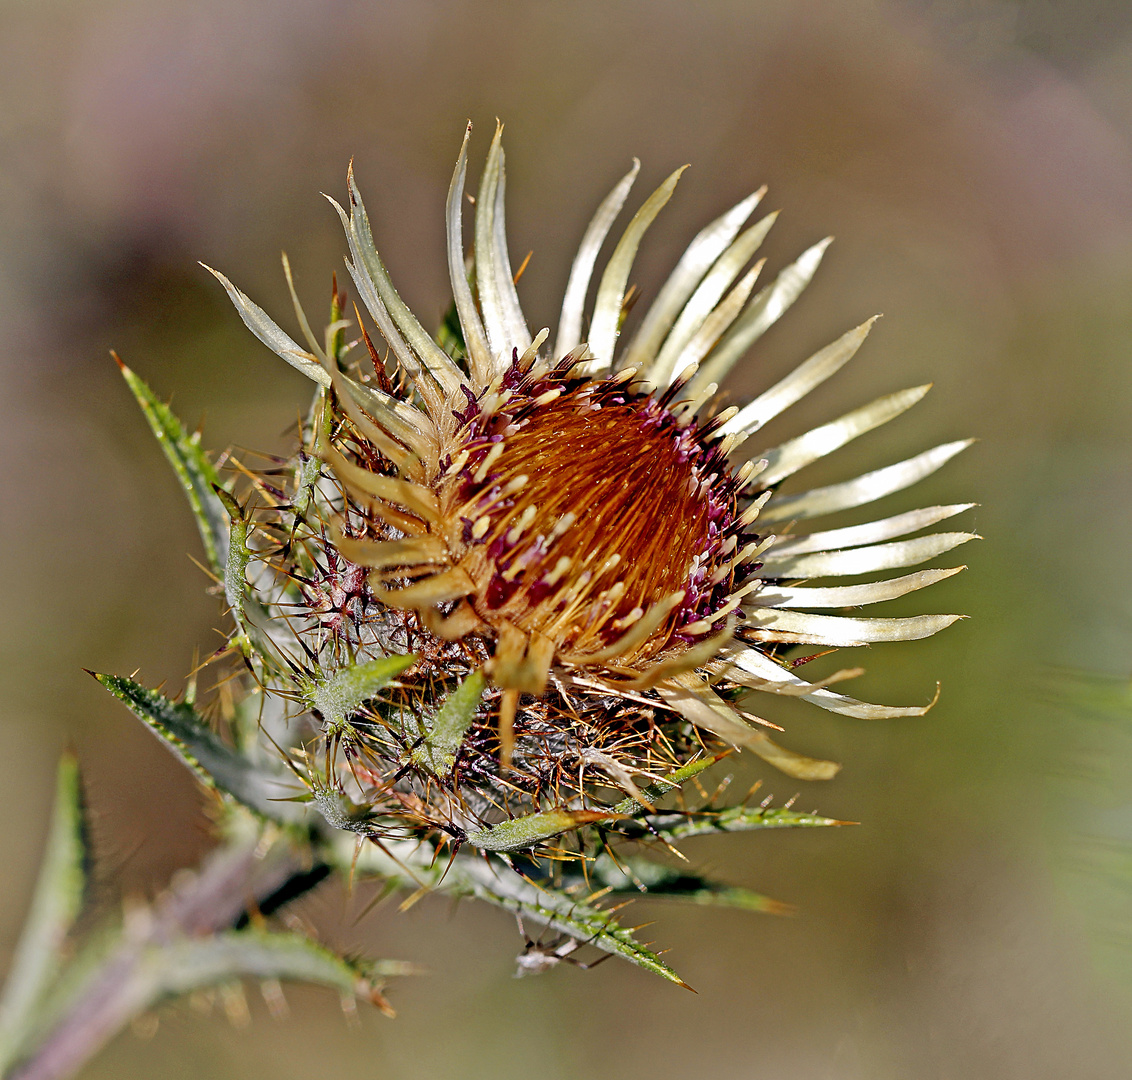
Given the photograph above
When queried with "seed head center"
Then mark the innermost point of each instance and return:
(593, 508)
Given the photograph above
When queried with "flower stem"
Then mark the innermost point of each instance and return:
(135, 973)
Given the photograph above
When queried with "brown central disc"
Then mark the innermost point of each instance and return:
(607, 523)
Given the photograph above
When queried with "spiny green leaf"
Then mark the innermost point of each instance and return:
(253, 624)
(641, 875)
(170, 963)
(486, 877)
(414, 865)
(215, 764)
(195, 471)
(491, 880)
(677, 826)
(194, 963)
(346, 690)
(236, 565)
(55, 906)
(531, 829)
(310, 468)
(443, 739)
(342, 812)
(632, 807)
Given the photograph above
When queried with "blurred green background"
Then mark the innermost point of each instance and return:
(973, 158)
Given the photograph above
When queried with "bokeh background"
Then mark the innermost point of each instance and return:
(973, 158)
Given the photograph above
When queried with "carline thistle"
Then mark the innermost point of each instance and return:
(507, 596)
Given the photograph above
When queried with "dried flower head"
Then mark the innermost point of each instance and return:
(507, 596)
(567, 554)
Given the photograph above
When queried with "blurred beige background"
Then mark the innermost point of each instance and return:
(973, 158)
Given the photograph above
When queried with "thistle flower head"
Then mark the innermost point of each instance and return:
(516, 589)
